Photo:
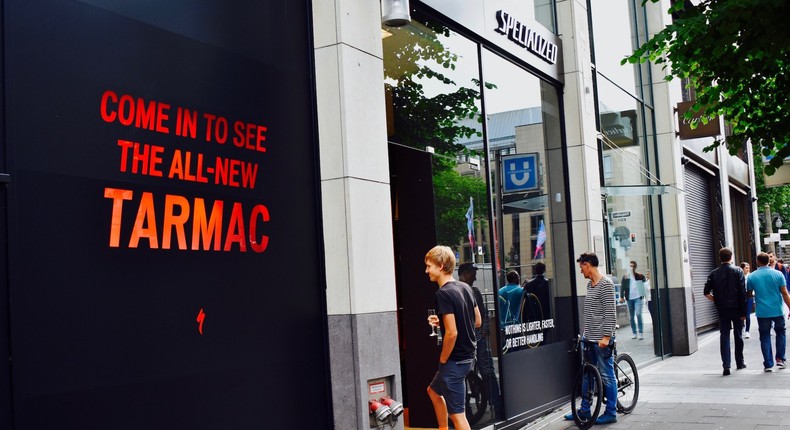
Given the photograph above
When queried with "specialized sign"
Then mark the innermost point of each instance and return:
(519, 173)
(511, 26)
(526, 36)
(163, 179)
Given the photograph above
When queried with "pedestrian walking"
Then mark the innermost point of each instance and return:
(632, 289)
(749, 301)
(726, 287)
(770, 289)
(458, 316)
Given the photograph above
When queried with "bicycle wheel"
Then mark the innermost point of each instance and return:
(531, 310)
(627, 383)
(588, 386)
(476, 401)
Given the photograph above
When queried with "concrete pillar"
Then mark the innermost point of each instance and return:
(357, 220)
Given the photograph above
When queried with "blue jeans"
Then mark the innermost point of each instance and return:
(486, 365)
(730, 319)
(635, 314)
(605, 363)
(764, 325)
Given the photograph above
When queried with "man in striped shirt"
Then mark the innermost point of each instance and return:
(600, 319)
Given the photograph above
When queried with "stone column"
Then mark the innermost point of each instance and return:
(357, 221)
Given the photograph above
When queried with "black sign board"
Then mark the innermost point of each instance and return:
(164, 245)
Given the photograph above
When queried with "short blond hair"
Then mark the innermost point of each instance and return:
(443, 257)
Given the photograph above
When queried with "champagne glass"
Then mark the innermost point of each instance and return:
(434, 328)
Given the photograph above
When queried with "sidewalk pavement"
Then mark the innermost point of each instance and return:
(690, 393)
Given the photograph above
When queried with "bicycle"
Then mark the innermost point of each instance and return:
(477, 396)
(588, 385)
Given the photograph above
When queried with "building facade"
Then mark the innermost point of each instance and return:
(573, 151)
(216, 215)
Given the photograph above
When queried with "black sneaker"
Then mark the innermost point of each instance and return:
(726, 372)
(741, 366)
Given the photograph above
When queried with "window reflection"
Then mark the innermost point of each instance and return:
(433, 103)
(629, 216)
(612, 22)
(518, 130)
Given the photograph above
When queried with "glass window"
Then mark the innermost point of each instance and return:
(623, 147)
(433, 103)
(544, 14)
(522, 124)
(614, 39)
(629, 227)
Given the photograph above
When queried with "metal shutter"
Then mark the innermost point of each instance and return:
(701, 248)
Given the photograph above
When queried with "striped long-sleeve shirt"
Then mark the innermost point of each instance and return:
(600, 314)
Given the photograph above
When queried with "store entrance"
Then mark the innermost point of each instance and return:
(414, 234)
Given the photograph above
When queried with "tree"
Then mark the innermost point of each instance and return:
(736, 56)
(413, 62)
(419, 120)
(451, 193)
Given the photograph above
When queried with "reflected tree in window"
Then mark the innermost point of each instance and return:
(432, 103)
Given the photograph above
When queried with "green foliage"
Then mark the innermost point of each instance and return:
(736, 55)
(419, 120)
(451, 193)
(417, 59)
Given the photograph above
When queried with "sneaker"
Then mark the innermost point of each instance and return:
(634, 336)
(768, 369)
(780, 364)
(726, 371)
(606, 419)
(741, 366)
(746, 335)
(641, 336)
(582, 414)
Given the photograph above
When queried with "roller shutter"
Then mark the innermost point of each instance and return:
(702, 252)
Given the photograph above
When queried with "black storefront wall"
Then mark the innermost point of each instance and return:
(163, 194)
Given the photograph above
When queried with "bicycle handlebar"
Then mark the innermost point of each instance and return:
(578, 341)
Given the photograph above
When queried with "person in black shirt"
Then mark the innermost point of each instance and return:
(726, 287)
(536, 299)
(455, 304)
(467, 273)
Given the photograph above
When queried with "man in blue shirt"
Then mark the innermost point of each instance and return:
(770, 289)
(510, 300)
